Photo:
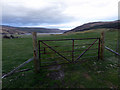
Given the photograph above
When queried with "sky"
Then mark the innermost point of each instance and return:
(62, 14)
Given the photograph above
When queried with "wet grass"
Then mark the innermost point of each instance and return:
(90, 74)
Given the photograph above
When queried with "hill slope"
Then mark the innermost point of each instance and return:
(96, 25)
(23, 30)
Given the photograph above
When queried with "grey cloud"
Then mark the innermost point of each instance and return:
(27, 16)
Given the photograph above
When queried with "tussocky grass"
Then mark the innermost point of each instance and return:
(90, 74)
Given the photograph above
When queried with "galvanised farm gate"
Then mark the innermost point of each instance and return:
(63, 51)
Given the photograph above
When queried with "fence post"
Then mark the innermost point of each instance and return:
(102, 45)
(35, 53)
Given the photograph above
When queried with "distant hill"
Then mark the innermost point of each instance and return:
(96, 25)
(23, 30)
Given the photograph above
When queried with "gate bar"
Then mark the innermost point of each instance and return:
(69, 51)
(70, 45)
(69, 39)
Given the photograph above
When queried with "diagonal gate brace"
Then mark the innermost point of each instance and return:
(85, 51)
(56, 51)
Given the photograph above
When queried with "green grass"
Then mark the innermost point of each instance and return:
(90, 74)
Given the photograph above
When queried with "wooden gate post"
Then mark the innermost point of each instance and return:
(35, 53)
(102, 45)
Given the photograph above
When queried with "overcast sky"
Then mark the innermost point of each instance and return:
(62, 14)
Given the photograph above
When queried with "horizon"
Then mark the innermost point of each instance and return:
(54, 28)
(63, 15)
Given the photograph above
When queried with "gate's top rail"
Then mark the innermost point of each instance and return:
(69, 39)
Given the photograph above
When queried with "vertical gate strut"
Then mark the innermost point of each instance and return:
(72, 50)
(99, 50)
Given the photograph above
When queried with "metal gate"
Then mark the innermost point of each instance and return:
(64, 51)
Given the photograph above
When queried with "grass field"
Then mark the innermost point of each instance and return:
(90, 74)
